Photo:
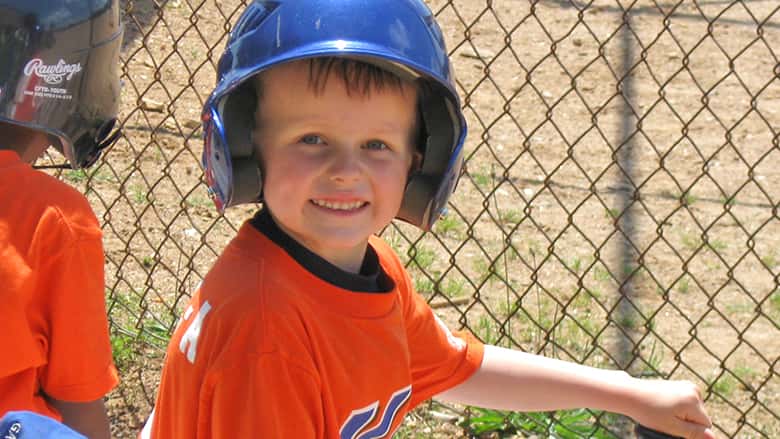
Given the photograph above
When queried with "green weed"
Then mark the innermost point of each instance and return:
(745, 373)
(724, 386)
(683, 285)
(510, 216)
(716, 245)
(197, 201)
(122, 346)
(453, 288)
(770, 261)
(688, 199)
(482, 180)
(601, 274)
(75, 176)
(423, 285)
(575, 265)
(690, 242)
(565, 424)
(652, 366)
(487, 330)
(147, 261)
(449, 225)
(774, 301)
(137, 192)
(422, 256)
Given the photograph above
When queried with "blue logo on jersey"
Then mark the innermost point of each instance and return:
(360, 418)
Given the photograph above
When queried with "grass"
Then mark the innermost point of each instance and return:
(745, 373)
(197, 201)
(724, 385)
(774, 301)
(449, 225)
(484, 271)
(75, 176)
(575, 265)
(78, 176)
(423, 285)
(482, 180)
(652, 365)
(690, 241)
(631, 270)
(487, 330)
(137, 194)
(688, 199)
(422, 256)
(770, 261)
(683, 285)
(735, 308)
(510, 216)
(453, 288)
(694, 242)
(601, 274)
(123, 347)
(729, 202)
(565, 424)
(717, 245)
(134, 328)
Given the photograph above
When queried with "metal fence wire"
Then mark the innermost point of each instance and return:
(618, 206)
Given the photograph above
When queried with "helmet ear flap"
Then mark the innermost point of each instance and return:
(425, 197)
(238, 114)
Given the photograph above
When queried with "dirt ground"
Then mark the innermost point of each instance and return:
(610, 155)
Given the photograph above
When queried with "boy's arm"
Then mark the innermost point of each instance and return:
(514, 380)
(88, 418)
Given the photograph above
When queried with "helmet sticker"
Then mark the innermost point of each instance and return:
(52, 74)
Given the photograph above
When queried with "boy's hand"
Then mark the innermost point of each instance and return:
(674, 407)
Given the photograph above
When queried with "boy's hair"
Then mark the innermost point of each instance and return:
(358, 77)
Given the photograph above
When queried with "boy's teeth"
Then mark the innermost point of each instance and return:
(337, 205)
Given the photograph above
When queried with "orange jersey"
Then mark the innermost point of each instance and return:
(267, 349)
(54, 329)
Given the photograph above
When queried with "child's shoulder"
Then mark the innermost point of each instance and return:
(36, 193)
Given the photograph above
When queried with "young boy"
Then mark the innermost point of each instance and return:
(340, 116)
(59, 86)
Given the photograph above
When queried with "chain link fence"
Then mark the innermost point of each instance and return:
(618, 206)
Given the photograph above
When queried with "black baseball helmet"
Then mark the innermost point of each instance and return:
(59, 72)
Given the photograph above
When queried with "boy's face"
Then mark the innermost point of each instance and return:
(334, 164)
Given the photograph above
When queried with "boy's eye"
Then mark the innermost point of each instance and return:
(376, 145)
(311, 139)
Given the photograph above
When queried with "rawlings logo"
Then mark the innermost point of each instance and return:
(51, 74)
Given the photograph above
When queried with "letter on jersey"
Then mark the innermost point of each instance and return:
(189, 340)
(360, 418)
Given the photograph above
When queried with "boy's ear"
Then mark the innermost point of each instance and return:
(416, 165)
(30, 144)
(417, 159)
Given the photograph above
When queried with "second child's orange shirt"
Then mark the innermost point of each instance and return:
(54, 329)
(267, 349)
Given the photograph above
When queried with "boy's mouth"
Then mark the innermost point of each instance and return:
(338, 205)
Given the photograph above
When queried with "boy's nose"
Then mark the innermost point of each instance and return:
(345, 166)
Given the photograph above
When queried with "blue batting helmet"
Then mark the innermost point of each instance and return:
(400, 36)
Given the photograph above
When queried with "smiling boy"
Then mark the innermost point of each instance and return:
(308, 325)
